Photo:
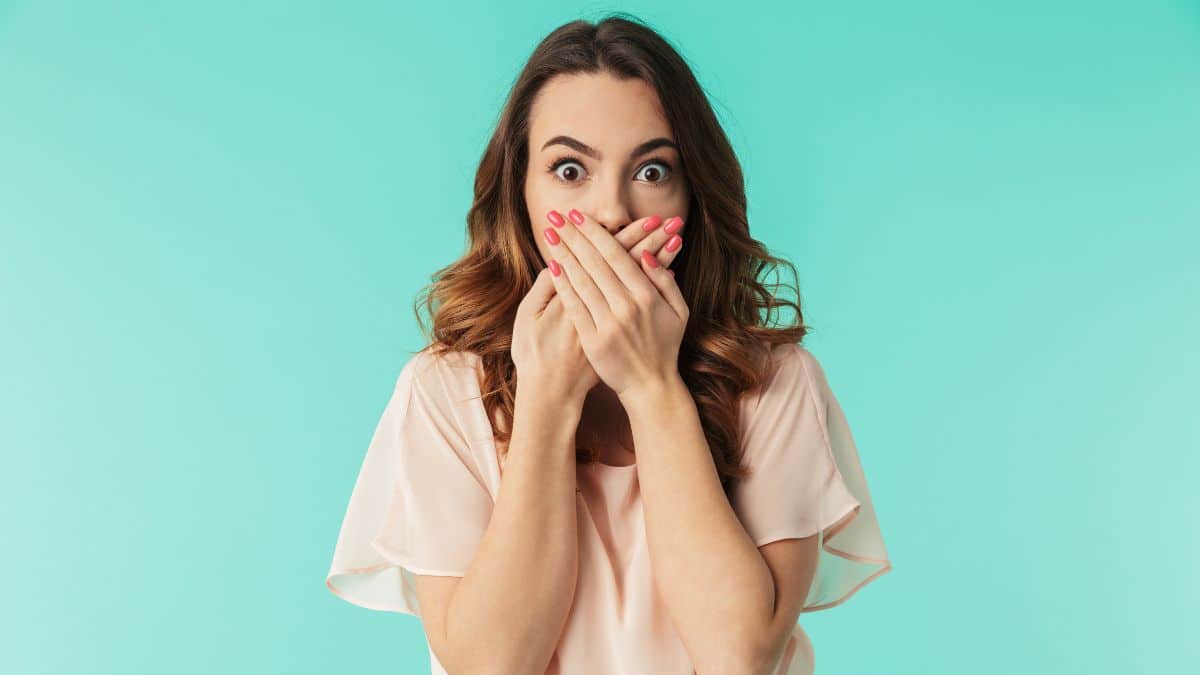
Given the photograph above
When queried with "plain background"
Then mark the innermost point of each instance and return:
(215, 217)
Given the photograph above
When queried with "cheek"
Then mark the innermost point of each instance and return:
(538, 225)
(538, 222)
(681, 198)
(539, 201)
(666, 202)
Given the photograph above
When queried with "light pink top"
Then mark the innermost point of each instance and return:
(430, 479)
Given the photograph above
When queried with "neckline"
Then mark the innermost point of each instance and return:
(481, 411)
(613, 467)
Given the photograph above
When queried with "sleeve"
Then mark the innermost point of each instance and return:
(806, 478)
(418, 505)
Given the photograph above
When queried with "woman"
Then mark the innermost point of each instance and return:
(599, 464)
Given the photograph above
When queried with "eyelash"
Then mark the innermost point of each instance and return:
(553, 169)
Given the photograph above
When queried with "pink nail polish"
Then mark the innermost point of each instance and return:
(575, 216)
(551, 236)
(652, 223)
(555, 218)
(673, 225)
(649, 259)
(674, 243)
(555, 268)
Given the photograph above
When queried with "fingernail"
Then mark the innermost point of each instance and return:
(654, 222)
(555, 268)
(649, 258)
(673, 225)
(551, 235)
(556, 219)
(575, 216)
(674, 243)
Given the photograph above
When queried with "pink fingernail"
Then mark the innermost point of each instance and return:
(652, 223)
(575, 216)
(674, 243)
(551, 236)
(673, 225)
(649, 259)
(555, 268)
(555, 218)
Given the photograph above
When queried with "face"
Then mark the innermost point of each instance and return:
(586, 152)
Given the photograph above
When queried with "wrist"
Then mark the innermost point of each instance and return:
(539, 395)
(651, 393)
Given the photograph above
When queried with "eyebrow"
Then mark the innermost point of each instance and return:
(588, 150)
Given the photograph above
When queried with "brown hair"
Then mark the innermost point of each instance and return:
(473, 301)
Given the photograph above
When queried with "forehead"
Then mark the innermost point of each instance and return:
(598, 109)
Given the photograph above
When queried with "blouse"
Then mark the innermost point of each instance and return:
(430, 478)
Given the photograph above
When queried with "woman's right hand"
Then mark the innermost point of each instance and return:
(545, 346)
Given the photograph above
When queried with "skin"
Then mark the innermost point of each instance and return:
(622, 193)
(734, 604)
(602, 338)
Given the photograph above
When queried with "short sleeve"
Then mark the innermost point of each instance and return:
(806, 477)
(420, 504)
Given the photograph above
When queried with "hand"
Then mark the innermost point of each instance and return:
(629, 316)
(635, 239)
(545, 347)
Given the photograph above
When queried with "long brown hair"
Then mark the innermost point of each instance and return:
(734, 317)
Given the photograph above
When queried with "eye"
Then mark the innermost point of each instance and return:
(655, 174)
(572, 175)
(564, 161)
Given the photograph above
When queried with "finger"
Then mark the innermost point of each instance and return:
(656, 239)
(599, 254)
(582, 281)
(574, 305)
(664, 281)
(539, 294)
(619, 278)
(637, 232)
(673, 232)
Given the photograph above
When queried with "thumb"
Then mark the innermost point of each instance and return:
(540, 293)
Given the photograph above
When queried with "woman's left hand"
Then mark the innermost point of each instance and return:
(630, 318)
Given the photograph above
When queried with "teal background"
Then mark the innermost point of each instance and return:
(215, 217)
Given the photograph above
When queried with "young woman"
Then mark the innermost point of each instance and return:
(607, 460)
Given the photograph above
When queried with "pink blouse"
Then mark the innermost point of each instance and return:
(430, 479)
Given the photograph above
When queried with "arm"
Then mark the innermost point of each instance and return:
(496, 621)
(720, 591)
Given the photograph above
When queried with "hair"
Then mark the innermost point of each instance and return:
(734, 317)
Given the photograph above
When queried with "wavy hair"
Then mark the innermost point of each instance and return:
(734, 316)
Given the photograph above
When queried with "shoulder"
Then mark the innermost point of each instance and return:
(435, 369)
(791, 374)
(791, 364)
(444, 387)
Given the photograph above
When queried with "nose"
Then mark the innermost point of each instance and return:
(612, 214)
(609, 202)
